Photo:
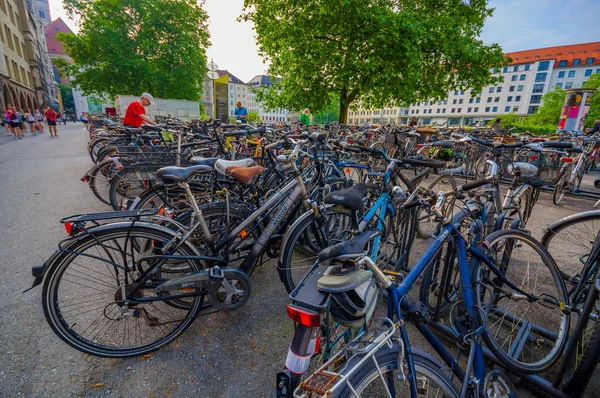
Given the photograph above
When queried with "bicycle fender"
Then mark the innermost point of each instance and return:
(39, 271)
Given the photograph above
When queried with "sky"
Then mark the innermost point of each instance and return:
(516, 25)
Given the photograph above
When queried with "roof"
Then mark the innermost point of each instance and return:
(232, 78)
(54, 46)
(567, 53)
(262, 80)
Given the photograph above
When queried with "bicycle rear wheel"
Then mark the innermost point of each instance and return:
(83, 293)
(426, 224)
(525, 325)
(585, 361)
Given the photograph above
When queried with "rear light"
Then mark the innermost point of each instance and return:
(532, 158)
(303, 317)
(69, 228)
(566, 160)
(419, 146)
(85, 178)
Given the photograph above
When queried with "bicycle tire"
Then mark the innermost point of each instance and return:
(425, 366)
(425, 226)
(56, 316)
(559, 190)
(128, 183)
(553, 291)
(576, 384)
(103, 171)
(522, 198)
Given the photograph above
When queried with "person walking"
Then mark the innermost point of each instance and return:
(413, 122)
(135, 115)
(304, 117)
(64, 118)
(31, 122)
(83, 119)
(241, 113)
(6, 120)
(51, 119)
(39, 121)
(15, 123)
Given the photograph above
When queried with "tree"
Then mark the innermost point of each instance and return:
(133, 46)
(253, 117)
(378, 52)
(330, 114)
(66, 93)
(549, 112)
(594, 112)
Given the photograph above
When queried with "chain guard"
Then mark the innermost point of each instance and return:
(231, 292)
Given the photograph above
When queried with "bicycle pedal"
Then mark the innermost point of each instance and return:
(215, 274)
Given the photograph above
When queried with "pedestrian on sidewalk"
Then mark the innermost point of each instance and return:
(15, 123)
(64, 118)
(135, 115)
(241, 113)
(51, 118)
(305, 117)
(22, 118)
(31, 122)
(39, 121)
(84, 119)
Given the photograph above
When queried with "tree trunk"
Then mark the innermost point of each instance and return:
(344, 104)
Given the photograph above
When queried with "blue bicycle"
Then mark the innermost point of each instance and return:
(511, 298)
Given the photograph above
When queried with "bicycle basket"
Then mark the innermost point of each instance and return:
(153, 155)
(354, 296)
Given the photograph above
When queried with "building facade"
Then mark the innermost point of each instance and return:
(266, 116)
(23, 72)
(530, 75)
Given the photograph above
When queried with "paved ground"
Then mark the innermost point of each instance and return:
(224, 355)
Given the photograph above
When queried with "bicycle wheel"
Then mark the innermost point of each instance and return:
(522, 199)
(128, 183)
(426, 224)
(525, 325)
(83, 296)
(440, 283)
(100, 179)
(305, 239)
(585, 362)
(367, 382)
(397, 239)
(559, 189)
(570, 240)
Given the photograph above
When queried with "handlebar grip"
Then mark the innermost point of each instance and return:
(482, 142)
(257, 130)
(515, 145)
(563, 145)
(443, 144)
(426, 131)
(350, 148)
(412, 204)
(240, 133)
(457, 135)
(473, 185)
(424, 163)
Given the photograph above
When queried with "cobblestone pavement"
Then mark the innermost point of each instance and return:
(222, 355)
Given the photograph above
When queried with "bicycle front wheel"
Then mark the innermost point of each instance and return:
(522, 302)
(84, 294)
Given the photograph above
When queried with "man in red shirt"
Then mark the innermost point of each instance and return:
(51, 119)
(135, 115)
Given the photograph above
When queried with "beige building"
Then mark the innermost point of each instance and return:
(394, 116)
(22, 57)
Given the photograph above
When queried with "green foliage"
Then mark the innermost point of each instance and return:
(522, 125)
(253, 117)
(594, 112)
(379, 52)
(132, 46)
(66, 93)
(330, 114)
(549, 112)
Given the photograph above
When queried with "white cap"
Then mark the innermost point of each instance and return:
(149, 97)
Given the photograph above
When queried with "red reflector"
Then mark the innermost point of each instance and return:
(303, 317)
(419, 146)
(69, 228)
(566, 160)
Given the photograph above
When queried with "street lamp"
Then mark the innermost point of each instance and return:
(213, 75)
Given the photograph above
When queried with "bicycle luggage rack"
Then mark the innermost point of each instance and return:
(366, 345)
(110, 215)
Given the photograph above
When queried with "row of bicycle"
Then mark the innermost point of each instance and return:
(340, 219)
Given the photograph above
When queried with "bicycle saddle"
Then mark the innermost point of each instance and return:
(351, 198)
(133, 131)
(245, 175)
(199, 160)
(174, 174)
(526, 169)
(225, 166)
(352, 248)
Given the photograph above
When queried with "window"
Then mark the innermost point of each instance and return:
(498, 89)
(454, 101)
(487, 108)
(11, 13)
(495, 109)
(561, 74)
(411, 111)
(489, 99)
(9, 37)
(576, 62)
(517, 98)
(569, 85)
(476, 109)
(430, 110)
(532, 110)
(491, 89)
(522, 77)
(516, 68)
(444, 110)
(536, 99)
(505, 69)
(543, 65)
(7, 65)
(538, 88)
(42, 15)
(562, 63)
(16, 71)
(588, 72)
(438, 111)
(559, 85)
(470, 100)
(17, 45)
(527, 66)
(445, 102)
(477, 100)
(462, 92)
(571, 73)
(509, 98)
(439, 102)
(520, 88)
(455, 92)
(458, 110)
(515, 108)
(495, 70)
(497, 99)
(452, 111)
(597, 70)
(514, 78)
(460, 101)
(469, 109)
(511, 88)
(541, 77)
(589, 61)
(507, 109)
